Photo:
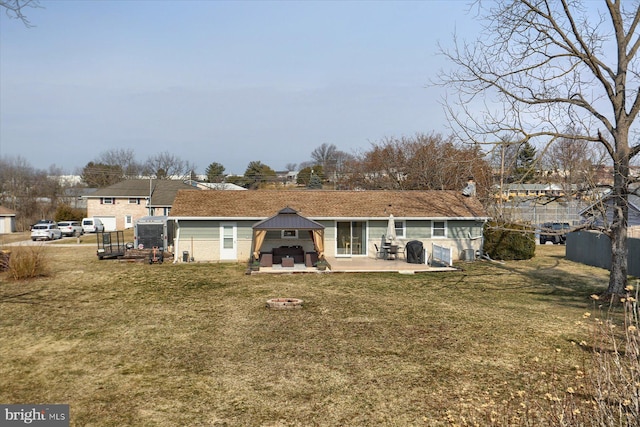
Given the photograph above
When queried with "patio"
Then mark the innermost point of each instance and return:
(357, 265)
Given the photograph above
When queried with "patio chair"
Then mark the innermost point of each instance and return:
(379, 254)
(393, 251)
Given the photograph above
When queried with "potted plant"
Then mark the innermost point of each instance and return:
(322, 264)
(254, 265)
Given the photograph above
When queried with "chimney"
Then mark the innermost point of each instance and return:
(470, 189)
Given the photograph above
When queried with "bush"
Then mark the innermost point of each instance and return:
(67, 213)
(506, 241)
(26, 262)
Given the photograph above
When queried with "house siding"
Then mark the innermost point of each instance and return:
(418, 229)
(7, 224)
(201, 238)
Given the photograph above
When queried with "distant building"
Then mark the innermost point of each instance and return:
(7, 220)
(225, 186)
(520, 191)
(119, 205)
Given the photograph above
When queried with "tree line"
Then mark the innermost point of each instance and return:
(418, 162)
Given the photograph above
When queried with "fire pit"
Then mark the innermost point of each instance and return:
(284, 303)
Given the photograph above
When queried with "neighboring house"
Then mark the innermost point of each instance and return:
(119, 205)
(7, 220)
(518, 191)
(75, 197)
(226, 186)
(218, 225)
(601, 213)
(287, 177)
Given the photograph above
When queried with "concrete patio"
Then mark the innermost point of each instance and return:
(357, 265)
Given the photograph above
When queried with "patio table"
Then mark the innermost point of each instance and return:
(287, 261)
(390, 251)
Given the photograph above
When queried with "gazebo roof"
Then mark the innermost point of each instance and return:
(288, 219)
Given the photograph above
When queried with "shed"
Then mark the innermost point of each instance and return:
(7, 220)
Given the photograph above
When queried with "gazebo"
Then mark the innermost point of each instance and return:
(288, 219)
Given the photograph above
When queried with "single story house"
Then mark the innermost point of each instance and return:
(119, 205)
(7, 220)
(224, 186)
(219, 225)
(601, 213)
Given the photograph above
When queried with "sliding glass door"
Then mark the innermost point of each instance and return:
(352, 237)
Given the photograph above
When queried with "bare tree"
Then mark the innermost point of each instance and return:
(31, 193)
(423, 162)
(341, 166)
(123, 158)
(572, 161)
(168, 166)
(15, 9)
(554, 65)
(323, 155)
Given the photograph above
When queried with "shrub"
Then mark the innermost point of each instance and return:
(67, 213)
(508, 241)
(26, 262)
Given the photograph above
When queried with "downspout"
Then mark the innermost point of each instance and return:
(150, 193)
(176, 245)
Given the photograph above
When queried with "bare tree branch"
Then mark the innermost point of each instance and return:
(541, 67)
(15, 9)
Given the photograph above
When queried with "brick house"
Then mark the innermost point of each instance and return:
(119, 205)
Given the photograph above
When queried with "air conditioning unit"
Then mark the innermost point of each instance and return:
(468, 255)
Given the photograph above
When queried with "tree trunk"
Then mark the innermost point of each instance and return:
(619, 253)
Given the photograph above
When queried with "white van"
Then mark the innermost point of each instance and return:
(92, 225)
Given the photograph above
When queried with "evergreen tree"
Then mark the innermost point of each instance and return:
(215, 172)
(525, 170)
(258, 173)
(314, 182)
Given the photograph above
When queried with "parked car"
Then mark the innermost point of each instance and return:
(92, 225)
(43, 221)
(554, 232)
(45, 232)
(70, 228)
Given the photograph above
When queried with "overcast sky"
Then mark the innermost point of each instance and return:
(216, 81)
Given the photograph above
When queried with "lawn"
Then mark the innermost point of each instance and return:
(132, 344)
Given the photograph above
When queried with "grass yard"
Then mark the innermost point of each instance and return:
(132, 344)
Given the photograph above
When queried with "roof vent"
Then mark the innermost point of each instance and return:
(470, 189)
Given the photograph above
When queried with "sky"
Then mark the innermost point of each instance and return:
(221, 81)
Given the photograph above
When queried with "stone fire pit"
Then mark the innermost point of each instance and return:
(284, 303)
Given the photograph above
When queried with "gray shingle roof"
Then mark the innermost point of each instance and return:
(163, 191)
(288, 219)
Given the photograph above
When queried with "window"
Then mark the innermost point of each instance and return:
(134, 201)
(289, 234)
(400, 229)
(439, 229)
(107, 201)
